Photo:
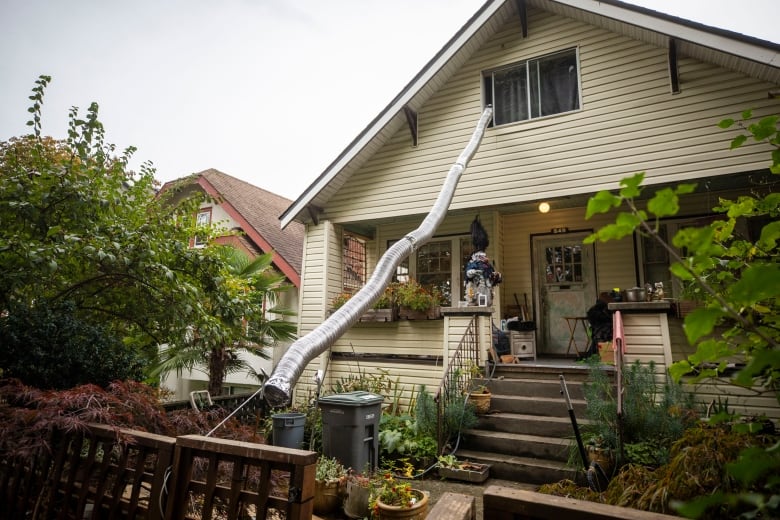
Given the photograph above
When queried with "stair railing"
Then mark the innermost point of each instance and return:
(456, 380)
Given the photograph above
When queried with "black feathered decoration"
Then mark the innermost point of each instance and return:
(479, 237)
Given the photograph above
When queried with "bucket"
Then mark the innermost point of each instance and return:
(288, 430)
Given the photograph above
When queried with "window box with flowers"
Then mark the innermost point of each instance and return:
(416, 302)
(384, 310)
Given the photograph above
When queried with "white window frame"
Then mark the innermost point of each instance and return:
(202, 218)
(405, 272)
(489, 96)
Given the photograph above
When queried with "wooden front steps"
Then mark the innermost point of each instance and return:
(527, 434)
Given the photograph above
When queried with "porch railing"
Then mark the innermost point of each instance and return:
(456, 380)
(251, 413)
(106, 472)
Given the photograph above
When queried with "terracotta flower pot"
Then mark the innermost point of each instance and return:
(417, 512)
(481, 402)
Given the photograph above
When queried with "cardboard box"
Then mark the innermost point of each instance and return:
(606, 352)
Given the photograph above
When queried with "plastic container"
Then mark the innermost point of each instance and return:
(288, 430)
(350, 428)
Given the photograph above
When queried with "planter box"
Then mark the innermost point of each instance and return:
(380, 315)
(470, 472)
(405, 313)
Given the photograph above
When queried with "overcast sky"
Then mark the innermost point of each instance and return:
(269, 91)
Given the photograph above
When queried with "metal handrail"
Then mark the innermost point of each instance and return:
(457, 379)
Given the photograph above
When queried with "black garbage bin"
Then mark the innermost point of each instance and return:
(350, 428)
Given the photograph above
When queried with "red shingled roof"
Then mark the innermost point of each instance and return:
(257, 212)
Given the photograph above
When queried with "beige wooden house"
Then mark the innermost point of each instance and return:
(585, 93)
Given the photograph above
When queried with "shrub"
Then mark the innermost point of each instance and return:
(650, 422)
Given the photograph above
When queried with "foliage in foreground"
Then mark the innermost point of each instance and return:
(28, 415)
(738, 283)
(92, 246)
(704, 459)
(652, 419)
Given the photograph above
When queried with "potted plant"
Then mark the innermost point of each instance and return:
(450, 467)
(357, 495)
(329, 481)
(416, 302)
(393, 499)
(479, 394)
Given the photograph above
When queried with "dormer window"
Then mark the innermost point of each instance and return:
(534, 88)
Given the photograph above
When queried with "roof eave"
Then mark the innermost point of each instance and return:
(391, 111)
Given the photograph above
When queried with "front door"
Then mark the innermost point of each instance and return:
(565, 279)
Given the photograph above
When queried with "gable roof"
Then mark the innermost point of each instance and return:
(751, 56)
(256, 210)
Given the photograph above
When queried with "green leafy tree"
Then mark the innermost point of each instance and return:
(85, 237)
(51, 348)
(241, 316)
(738, 283)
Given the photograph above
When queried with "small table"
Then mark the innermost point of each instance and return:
(572, 322)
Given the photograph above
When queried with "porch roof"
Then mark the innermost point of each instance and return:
(752, 56)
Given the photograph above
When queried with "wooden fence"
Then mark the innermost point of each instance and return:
(107, 473)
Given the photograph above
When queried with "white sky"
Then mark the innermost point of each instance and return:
(269, 91)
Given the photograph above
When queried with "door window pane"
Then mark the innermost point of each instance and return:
(563, 264)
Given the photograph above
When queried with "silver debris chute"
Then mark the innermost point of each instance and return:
(278, 388)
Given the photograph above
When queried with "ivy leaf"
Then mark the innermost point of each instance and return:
(758, 364)
(664, 203)
(738, 141)
(751, 465)
(770, 234)
(679, 369)
(758, 282)
(685, 188)
(631, 186)
(701, 322)
(679, 271)
(602, 202)
(765, 128)
(726, 123)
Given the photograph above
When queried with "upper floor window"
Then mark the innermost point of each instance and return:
(354, 275)
(534, 88)
(203, 218)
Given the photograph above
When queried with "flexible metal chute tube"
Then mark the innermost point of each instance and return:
(278, 388)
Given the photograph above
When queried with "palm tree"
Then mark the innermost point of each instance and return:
(239, 314)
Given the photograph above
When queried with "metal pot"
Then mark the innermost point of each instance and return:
(637, 294)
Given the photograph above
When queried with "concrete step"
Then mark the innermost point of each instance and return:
(528, 435)
(530, 387)
(546, 426)
(520, 469)
(572, 371)
(518, 444)
(545, 406)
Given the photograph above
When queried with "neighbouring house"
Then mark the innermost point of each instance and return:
(585, 93)
(250, 218)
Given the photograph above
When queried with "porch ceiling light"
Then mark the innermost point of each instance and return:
(544, 207)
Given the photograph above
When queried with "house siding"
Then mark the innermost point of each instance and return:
(629, 122)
